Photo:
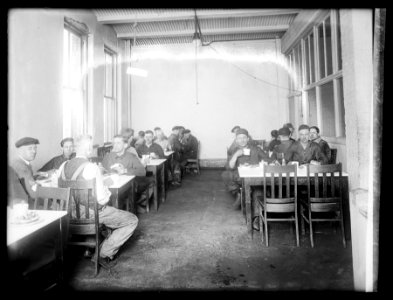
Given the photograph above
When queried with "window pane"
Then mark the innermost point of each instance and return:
(339, 59)
(312, 107)
(292, 112)
(321, 53)
(341, 105)
(328, 41)
(312, 66)
(327, 108)
(307, 55)
(66, 58)
(108, 75)
(299, 67)
(75, 61)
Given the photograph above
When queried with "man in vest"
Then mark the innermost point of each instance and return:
(121, 222)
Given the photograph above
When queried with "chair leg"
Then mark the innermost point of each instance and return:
(266, 233)
(302, 220)
(297, 229)
(97, 250)
(311, 230)
(342, 230)
(261, 229)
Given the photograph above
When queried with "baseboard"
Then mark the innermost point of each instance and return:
(212, 163)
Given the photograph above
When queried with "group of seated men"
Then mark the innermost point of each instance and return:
(75, 162)
(310, 148)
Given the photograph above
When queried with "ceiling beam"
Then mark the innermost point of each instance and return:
(187, 15)
(244, 30)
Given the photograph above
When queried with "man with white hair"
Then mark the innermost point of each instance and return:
(121, 222)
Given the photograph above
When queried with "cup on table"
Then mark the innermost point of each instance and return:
(20, 209)
(146, 158)
(246, 151)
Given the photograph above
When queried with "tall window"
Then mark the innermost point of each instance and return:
(110, 103)
(74, 91)
(321, 65)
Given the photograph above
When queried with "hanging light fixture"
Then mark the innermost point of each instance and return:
(132, 70)
(196, 40)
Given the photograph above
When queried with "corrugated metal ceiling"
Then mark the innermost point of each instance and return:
(163, 26)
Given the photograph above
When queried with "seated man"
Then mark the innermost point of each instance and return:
(189, 149)
(161, 139)
(232, 147)
(291, 129)
(27, 151)
(123, 162)
(68, 153)
(305, 151)
(140, 140)
(150, 148)
(129, 133)
(316, 138)
(244, 153)
(16, 190)
(122, 223)
(274, 141)
(176, 147)
(281, 150)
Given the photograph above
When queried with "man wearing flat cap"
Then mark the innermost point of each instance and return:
(68, 153)
(175, 145)
(189, 149)
(244, 153)
(281, 151)
(27, 150)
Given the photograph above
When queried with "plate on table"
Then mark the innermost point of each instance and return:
(29, 218)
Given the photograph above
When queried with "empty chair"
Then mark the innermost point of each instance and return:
(84, 220)
(193, 163)
(279, 198)
(324, 198)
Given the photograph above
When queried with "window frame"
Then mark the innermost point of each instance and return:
(307, 85)
(84, 75)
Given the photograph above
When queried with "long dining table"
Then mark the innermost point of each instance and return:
(122, 186)
(26, 238)
(252, 175)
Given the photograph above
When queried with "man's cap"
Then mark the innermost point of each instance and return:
(242, 131)
(235, 128)
(187, 131)
(26, 141)
(288, 125)
(67, 139)
(274, 133)
(175, 128)
(284, 131)
(304, 126)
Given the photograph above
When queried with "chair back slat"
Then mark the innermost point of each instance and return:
(279, 185)
(330, 175)
(283, 172)
(53, 198)
(288, 184)
(273, 190)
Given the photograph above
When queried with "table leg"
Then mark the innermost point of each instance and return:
(163, 183)
(155, 188)
(131, 197)
(248, 208)
(59, 252)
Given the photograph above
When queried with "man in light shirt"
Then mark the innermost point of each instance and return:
(121, 222)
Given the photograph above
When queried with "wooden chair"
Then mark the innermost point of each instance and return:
(51, 198)
(333, 158)
(323, 198)
(283, 203)
(193, 163)
(96, 159)
(103, 150)
(82, 223)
